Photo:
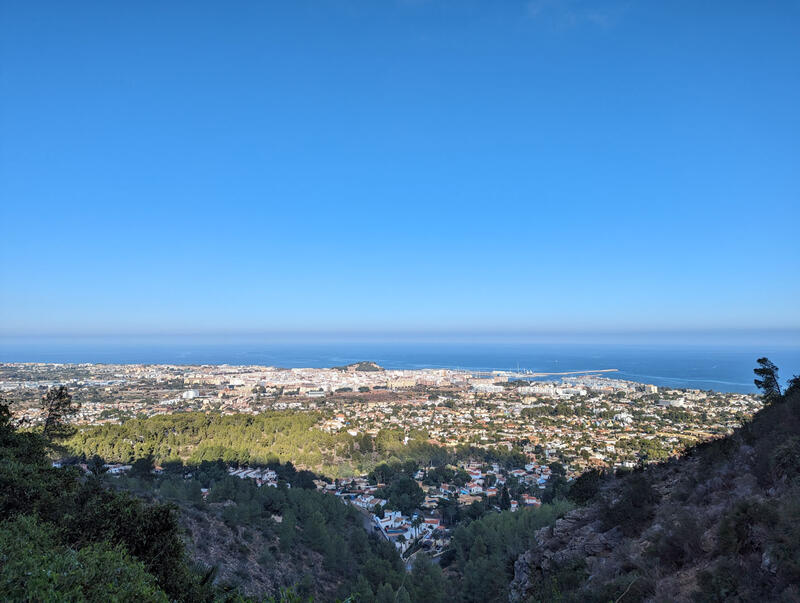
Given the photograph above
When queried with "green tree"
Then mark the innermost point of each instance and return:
(362, 591)
(403, 494)
(385, 594)
(505, 499)
(36, 568)
(58, 407)
(768, 382)
(402, 595)
(96, 465)
(141, 467)
(427, 582)
(93, 530)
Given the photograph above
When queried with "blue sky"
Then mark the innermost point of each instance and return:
(407, 166)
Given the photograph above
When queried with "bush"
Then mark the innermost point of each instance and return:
(33, 567)
(718, 585)
(679, 542)
(585, 488)
(737, 528)
(785, 460)
(85, 526)
(554, 586)
(632, 507)
(785, 538)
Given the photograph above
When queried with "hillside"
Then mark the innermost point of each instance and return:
(365, 366)
(719, 524)
(66, 537)
(261, 540)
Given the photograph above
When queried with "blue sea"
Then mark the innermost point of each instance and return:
(720, 368)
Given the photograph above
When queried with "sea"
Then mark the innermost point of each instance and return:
(720, 368)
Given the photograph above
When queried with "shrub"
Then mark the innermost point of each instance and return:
(585, 488)
(556, 584)
(33, 567)
(785, 460)
(679, 542)
(718, 585)
(736, 531)
(785, 538)
(633, 506)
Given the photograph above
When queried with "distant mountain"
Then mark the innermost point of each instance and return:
(719, 524)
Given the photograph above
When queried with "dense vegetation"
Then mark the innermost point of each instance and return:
(64, 536)
(481, 560)
(269, 538)
(265, 438)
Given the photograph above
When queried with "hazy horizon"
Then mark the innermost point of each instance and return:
(721, 337)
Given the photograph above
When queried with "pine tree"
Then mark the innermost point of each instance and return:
(58, 406)
(505, 499)
(769, 379)
(385, 594)
(402, 596)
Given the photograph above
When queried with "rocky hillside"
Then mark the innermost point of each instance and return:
(365, 366)
(719, 524)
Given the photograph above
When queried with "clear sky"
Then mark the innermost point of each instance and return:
(192, 167)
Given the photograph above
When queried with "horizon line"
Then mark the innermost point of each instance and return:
(750, 335)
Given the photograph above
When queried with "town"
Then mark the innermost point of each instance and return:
(580, 421)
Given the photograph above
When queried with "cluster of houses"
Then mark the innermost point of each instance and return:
(402, 531)
(426, 527)
(262, 477)
(399, 529)
(110, 468)
(489, 483)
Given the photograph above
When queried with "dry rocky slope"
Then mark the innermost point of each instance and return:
(721, 523)
(238, 554)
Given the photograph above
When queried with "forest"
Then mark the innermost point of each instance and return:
(278, 436)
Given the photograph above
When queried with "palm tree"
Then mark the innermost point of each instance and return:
(416, 522)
